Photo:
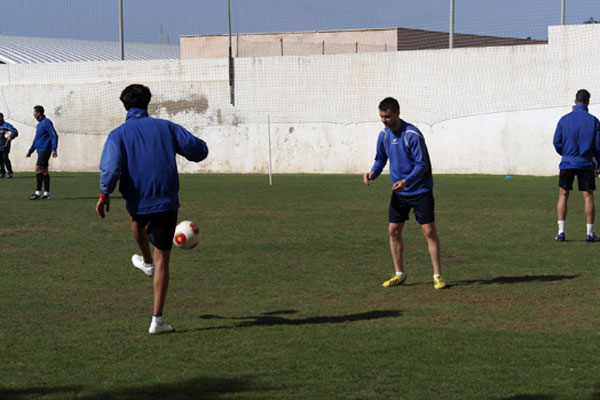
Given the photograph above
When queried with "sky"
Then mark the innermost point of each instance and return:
(163, 21)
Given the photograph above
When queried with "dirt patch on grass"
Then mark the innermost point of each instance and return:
(5, 231)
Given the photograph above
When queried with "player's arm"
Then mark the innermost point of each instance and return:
(557, 140)
(53, 137)
(110, 167)
(188, 145)
(13, 132)
(381, 158)
(597, 144)
(420, 159)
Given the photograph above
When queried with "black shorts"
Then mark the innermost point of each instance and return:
(159, 226)
(43, 157)
(586, 179)
(422, 204)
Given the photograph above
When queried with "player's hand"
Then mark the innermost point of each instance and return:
(399, 186)
(27, 155)
(102, 202)
(368, 177)
(8, 139)
(54, 154)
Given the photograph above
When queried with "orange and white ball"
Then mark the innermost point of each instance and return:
(187, 235)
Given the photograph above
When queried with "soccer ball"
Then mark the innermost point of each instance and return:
(187, 235)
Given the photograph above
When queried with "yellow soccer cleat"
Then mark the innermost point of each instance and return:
(439, 283)
(395, 281)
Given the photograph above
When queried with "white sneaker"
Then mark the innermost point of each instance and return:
(138, 262)
(157, 329)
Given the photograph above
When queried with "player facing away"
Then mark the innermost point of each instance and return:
(45, 143)
(140, 155)
(577, 140)
(412, 187)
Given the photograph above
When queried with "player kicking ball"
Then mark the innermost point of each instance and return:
(412, 187)
(140, 154)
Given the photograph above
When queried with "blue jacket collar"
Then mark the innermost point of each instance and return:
(136, 113)
(580, 107)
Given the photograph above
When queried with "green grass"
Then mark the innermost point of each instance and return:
(283, 299)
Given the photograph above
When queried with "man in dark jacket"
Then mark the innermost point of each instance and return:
(7, 134)
(577, 140)
(140, 155)
(45, 143)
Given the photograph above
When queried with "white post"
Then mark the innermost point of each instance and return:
(451, 44)
(270, 159)
(121, 30)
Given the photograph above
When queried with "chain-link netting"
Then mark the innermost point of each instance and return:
(293, 61)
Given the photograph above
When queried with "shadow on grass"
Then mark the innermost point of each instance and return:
(274, 318)
(199, 388)
(515, 279)
(527, 397)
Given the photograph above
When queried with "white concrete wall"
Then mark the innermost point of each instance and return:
(482, 110)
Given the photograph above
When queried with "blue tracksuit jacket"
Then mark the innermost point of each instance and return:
(45, 138)
(408, 157)
(577, 139)
(140, 154)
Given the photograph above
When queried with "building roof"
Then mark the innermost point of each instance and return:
(418, 39)
(33, 50)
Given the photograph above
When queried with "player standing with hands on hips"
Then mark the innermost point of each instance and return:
(412, 187)
(45, 143)
(140, 154)
(577, 140)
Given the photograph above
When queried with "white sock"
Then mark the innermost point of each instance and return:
(46, 193)
(590, 229)
(399, 273)
(158, 319)
(561, 226)
(436, 275)
(38, 193)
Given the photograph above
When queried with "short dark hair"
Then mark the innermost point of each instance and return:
(137, 96)
(39, 109)
(389, 103)
(1, 116)
(582, 96)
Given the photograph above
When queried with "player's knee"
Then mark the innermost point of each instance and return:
(395, 231)
(429, 231)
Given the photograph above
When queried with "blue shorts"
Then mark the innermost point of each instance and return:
(422, 205)
(160, 227)
(586, 179)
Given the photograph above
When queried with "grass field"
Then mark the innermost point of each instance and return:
(283, 299)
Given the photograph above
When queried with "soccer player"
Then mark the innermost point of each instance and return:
(45, 143)
(577, 140)
(412, 187)
(5, 139)
(140, 154)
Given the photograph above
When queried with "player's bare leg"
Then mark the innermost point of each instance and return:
(396, 245)
(433, 245)
(142, 240)
(397, 250)
(161, 279)
(561, 204)
(590, 210)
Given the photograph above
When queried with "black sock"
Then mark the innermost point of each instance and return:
(47, 183)
(39, 178)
